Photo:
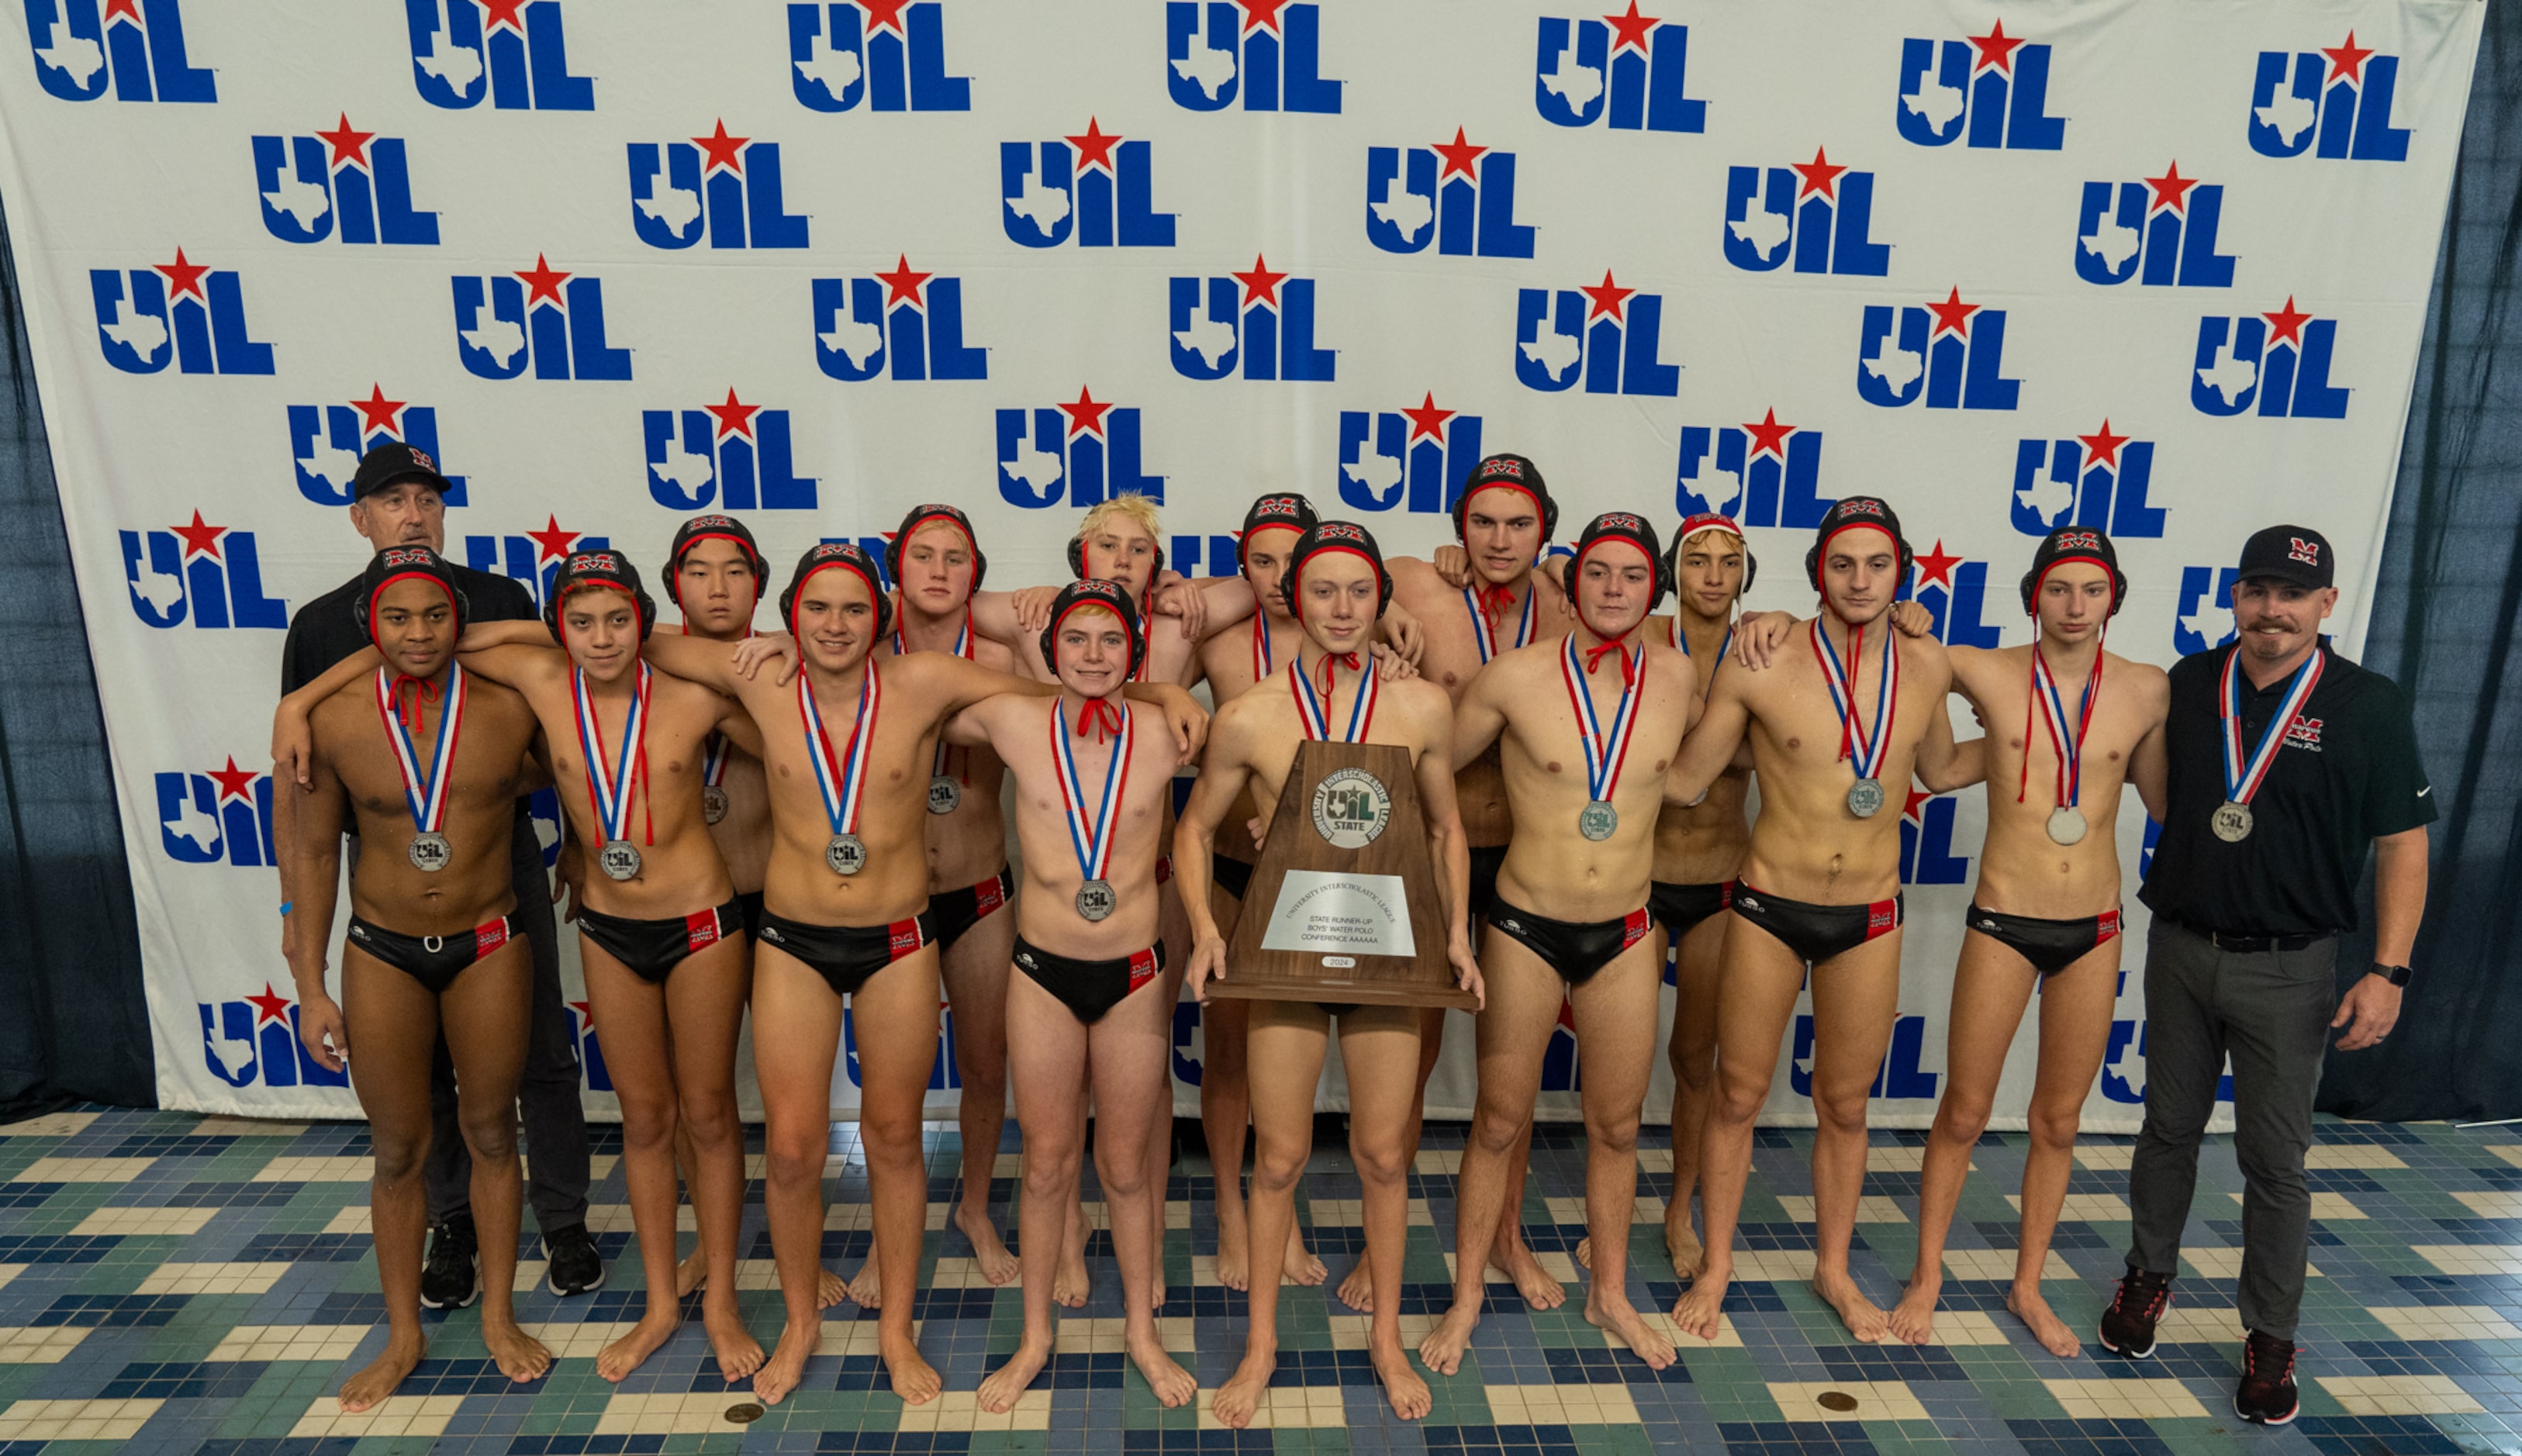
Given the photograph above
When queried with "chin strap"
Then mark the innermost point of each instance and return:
(1101, 715)
(1628, 661)
(422, 690)
(1349, 661)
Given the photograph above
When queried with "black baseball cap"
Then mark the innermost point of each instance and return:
(2295, 554)
(392, 464)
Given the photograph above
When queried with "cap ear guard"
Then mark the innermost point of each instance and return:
(1077, 561)
(920, 516)
(854, 559)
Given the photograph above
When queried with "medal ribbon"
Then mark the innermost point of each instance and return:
(842, 781)
(426, 797)
(1484, 605)
(1093, 842)
(713, 758)
(964, 649)
(610, 793)
(1866, 751)
(2242, 777)
(1314, 713)
(2053, 711)
(1681, 640)
(1605, 756)
(1261, 660)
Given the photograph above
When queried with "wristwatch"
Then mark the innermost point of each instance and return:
(2397, 976)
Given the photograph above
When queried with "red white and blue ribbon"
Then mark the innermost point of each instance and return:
(841, 780)
(1484, 631)
(2243, 776)
(1313, 710)
(1092, 842)
(962, 639)
(1605, 752)
(426, 795)
(1866, 751)
(611, 793)
(714, 759)
(2070, 749)
(1261, 657)
(1681, 640)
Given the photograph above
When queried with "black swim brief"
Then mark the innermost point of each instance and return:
(1233, 875)
(1817, 932)
(1681, 907)
(2050, 945)
(749, 903)
(957, 911)
(435, 961)
(653, 948)
(846, 956)
(1485, 861)
(1090, 989)
(1575, 951)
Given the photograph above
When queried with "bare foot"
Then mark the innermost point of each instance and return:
(830, 1289)
(691, 1273)
(865, 1288)
(1913, 1319)
(1300, 1265)
(1071, 1287)
(998, 1393)
(1702, 1306)
(1173, 1385)
(1539, 1290)
(1866, 1322)
(1234, 1263)
(1442, 1350)
(780, 1372)
(2046, 1327)
(915, 1380)
(1401, 1383)
(739, 1353)
(378, 1379)
(989, 1251)
(1240, 1395)
(1610, 1311)
(1586, 1252)
(627, 1354)
(520, 1356)
(1681, 1241)
(1357, 1291)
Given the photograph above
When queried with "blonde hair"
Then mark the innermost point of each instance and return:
(1739, 544)
(1130, 505)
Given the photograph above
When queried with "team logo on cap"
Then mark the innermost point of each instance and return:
(2160, 229)
(532, 558)
(1647, 63)
(1775, 472)
(2099, 480)
(1094, 187)
(137, 48)
(1818, 213)
(427, 560)
(884, 53)
(1952, 352)
(1500, 468)
(2079, 541)
(1339, 530)
(727, 186)
(1995, 87)
(1267, 51)
(2303, 550)
(544, 317)
(2339, 97)
(208, 574)
(326, 442)
(1261, 319)
(1279, 506)
(515, 54)
(1081, 452)
(738, 456)
(1457, 195)
(1617, 521)
(353, 183)
(1858, 505)
(2279, 361)
(1607, 332)
(1424, 448)
(906, 320)
(185, 313)
(594, 560)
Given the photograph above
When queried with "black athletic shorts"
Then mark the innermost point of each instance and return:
(1681, 907)
(1817, 932)
(653, 948)
(846, 956)
(1575, 951)
(2050, 945)
(1090, 989)
(435, 961)
(957, 911)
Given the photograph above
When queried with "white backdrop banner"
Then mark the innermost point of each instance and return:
(2154, 267)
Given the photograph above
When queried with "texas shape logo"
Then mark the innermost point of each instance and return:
(1957, 361)
(1818, 213)
(907, 321)
(1993, 87)
(1419, 456)
(514, 52)
(883, 53)
(725, 186)
(326, 442)
(348, 182)
(1267, 52)
(2164, 226)
(1262, 321)
(1082, 452)
(2279, 361)
(1094, 187)
(2098, 481)
(544, 317)
(2336, 105)
(136, 46)
(1648, 62)
(185, 313)
(1465, 206)
(1608, 334)
(1763, 474)
(207, 575)
(732, 456)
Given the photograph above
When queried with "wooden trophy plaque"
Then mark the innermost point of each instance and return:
(1343, 906)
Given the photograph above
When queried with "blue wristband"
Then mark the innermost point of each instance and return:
(285, 904)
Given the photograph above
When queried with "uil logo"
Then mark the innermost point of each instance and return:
(1445, 193)
(137, 46)
(1419, 456)
(1096, 188)
(2164, 225)
(1261, 319)
(2279, 361)
(512, 51)
(1954, 591)
(735, 456)
(1992, 86)
(1952, 352)
(839, 55)
(1648, 62)
(1083, 453)
(2204, 619)
(1815, 211)
(208, 574)
(726, 186)
(1764, 473)
(183, 312)
(507, 321)
(253, 1041)
(2097, 480)
(1607, 332)
(356, 179)
(219, 817)
(1267, 51)
(2339, 98)
(905, 320)
(1927, 854)
(531, 558)
(1903, 1073)
(326, 442)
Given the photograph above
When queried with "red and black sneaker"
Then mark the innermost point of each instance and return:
(2127, 1326)
(2267, 1392)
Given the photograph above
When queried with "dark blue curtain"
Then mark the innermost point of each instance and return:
(2445, 622)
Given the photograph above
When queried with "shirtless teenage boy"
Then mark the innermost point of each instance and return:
(1590, 724)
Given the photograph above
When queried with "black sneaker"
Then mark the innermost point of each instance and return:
(576, 1267)
(2267, 1392)
(451, 1279)
(2127, 1326)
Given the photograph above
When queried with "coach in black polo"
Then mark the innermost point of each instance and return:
(398, 499)
(2286, 762)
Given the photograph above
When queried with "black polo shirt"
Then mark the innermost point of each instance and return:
(327, 629)
(2348, 775)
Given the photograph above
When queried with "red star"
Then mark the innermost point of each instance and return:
(1917, 798)
(2170, 190)
(1085, 417)
(1427, 421)
(733, 418)
(1995, 48)
(2347, 60)
(1567, 1012)
(1819, 177)
(498, 13)
(543, 283)
(1458, 157)
(585, 1014)
(1630, 31)
(128, 9)
(1095, 148)
(2286, 325)
(377, 412)
(182, 277)
(200, 539)
(1260, 15)
(346, 145)
(901, 285)
(884, 14)
(1260, 284)
(2103, 448)
(1769, 437)
(234, 781)
(270, 1006)
(1935, 566)
(551, 543)
(1952, 315)
(1610, 298)
(719, 150)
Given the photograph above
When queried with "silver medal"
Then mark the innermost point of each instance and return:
(2231, 822)
(713, 803)
(944, 796)
(1095, 899)
(1865, 798)
(846, 854)
(430, 851)
(2066, 824)
(1597, 820)
(619, 859)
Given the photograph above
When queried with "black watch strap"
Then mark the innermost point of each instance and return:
(2398, 976)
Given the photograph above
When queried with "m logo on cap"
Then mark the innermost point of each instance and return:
(420, 457)
(1277, 505)
(415, 558)
(1615, 521)
(2081, 542)
(1860, 506)
(1501, 467)
(1339, 530)
(2306, 552)
(710, 523)
(595, 561)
